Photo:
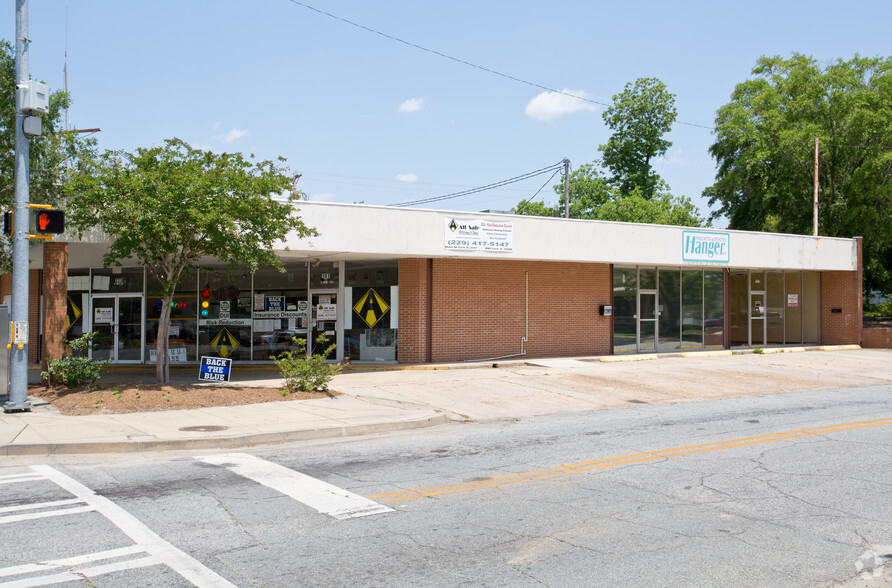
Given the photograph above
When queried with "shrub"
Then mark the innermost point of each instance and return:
(74, 371)
(307, 372)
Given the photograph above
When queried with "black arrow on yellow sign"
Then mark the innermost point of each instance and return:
(371, 308)
(72, 315)
(224, 343)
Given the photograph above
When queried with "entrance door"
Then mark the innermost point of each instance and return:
(647, 321)
(323, 320)
(117, 321)
(757, 319)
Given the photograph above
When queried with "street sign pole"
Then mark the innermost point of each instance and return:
(18, 361)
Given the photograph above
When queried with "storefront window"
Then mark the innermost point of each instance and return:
(713, 309)
(669, 311)
(116, 280)
(692, 309)
(183, 336)
(280, 310)
(625, 293)
(371, 333)
(226, 331)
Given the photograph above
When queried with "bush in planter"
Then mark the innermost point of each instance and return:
(304, 372)
(74, 371)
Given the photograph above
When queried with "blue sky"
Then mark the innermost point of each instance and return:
(365, 118)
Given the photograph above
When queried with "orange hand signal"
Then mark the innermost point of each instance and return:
(43, 219)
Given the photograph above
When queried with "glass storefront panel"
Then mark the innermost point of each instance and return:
(625, 293)
(373, 299)
(774, 314)
(738, 321)
(648, 331)
(793, 310)
(669, 310)
(78, 303)
(226, 331)
(281, 310)
(713, 309)
(116, 280)
(692, 309)
(757, 319)
(647, 278)
(183, 336)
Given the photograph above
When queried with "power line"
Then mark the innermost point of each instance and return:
(468, 63)
(513, 180)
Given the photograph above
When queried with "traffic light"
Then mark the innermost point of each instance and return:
(205, 301)
(51, 222)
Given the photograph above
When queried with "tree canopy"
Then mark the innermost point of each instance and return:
(170, 206)
(639, 117)
(49, 154)
(764, 149)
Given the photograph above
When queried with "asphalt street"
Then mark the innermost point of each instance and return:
(776, 490)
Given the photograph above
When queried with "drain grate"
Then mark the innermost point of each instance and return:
(204, 428)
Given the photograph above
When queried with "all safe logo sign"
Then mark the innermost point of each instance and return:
(224, 343)
(371, 307)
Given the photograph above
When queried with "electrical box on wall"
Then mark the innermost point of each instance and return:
(606, 310)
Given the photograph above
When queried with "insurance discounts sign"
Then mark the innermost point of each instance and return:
(478, 234)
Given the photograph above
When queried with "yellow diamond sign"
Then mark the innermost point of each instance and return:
(72, 314)
(224, 343)
(371, 308)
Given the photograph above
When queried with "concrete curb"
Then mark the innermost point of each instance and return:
(221, 442)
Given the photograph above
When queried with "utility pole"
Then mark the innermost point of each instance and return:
(566, 188)
(816, 189)
(18, 355)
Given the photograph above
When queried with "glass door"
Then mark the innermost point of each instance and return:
(647, 321)
(757, 319)
(324, 306)
(117, 321)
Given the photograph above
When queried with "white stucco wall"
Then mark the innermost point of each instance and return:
(378, 231)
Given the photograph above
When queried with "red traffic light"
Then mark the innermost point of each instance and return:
(205, 294)
(51, 222)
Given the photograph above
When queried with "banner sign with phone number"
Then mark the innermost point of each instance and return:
(479, 235)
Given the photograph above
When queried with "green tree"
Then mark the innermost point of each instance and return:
(639, 117)
(764, 150)
(170, 206)
(593, 197)
(49, 154)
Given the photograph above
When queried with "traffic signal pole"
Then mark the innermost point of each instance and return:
(18, 353)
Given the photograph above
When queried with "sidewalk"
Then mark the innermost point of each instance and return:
(408, 397)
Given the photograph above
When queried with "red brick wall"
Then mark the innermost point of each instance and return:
(413, 310)
(34, 350)
(840, 291)
(479, 309)
(55, 294)
(876, 338)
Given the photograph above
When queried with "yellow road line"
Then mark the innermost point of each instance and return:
(586, 466)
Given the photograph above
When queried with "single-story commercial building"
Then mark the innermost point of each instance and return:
(416, 286)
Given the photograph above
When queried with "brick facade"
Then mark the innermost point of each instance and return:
(479, 309)
(33, 310)
(840, 291)
(876, 338)
(55, 296)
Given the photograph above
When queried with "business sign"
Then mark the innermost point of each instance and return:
(370, 306)
(703, 247)
(214, 369)
(103, 316)
(478, 235)
(326, 312)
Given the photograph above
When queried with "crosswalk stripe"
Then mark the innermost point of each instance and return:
(321, 496)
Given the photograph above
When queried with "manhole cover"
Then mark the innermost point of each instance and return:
(204, 428)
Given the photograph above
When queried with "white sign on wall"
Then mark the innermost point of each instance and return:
(103, 316)
(478, 234)
(706, 247)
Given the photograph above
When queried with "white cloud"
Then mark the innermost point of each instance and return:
(550, 105)
(408, 178)
(412, 105)
(323, 197)
(234, 135)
